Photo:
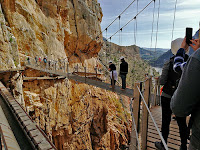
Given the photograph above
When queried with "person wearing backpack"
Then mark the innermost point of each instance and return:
(186, 99)
(169, 80)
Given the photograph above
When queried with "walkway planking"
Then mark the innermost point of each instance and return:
(26, 131)
(42, 78)
(12, 70)
(173, 139)
(127, 92)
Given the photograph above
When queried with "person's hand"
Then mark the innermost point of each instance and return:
(184, 45)
(195, 44)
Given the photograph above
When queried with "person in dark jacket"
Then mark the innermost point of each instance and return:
(123, 72)
(169, 79)
(186, 99)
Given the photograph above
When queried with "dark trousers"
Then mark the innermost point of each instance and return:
(123, 77)
(113, 82)
(166, 119)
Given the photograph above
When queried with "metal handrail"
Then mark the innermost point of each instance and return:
(162, 139)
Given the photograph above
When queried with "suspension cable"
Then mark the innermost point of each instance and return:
(136, 24)
(119, 15)
(157, 30)
(152, 24)
(135, 31)
(113, 21)
(174, 20)
(133, 18)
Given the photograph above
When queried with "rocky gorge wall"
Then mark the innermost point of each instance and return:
(73, 115)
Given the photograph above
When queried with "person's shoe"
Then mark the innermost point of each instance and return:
(122, 89)
(159, 146)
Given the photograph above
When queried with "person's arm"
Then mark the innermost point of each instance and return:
(179, 61)
(187, 95)
(180, 56)
(195, 44)
(164, 75)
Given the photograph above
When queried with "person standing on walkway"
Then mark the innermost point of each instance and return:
(169, 79)
(28, 59)
(186, 99)
(113, 73)
(123, 72)
(36, 59)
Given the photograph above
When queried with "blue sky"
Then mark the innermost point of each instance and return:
(187, 15)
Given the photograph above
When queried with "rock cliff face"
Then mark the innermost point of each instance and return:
(73, 115)
(77, 116)
(54, 29)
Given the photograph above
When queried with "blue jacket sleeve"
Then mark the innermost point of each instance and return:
(179, 61)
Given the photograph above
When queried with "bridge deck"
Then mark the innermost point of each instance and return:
(173, 139)
(128, 92)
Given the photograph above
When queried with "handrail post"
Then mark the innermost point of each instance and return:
(55, 65)
(145, 114)
(113, 86)
(64, 67)
(158, 101)
(155, 92)
(85, 73)
(136, 110)
(68, 70)
(96, 73)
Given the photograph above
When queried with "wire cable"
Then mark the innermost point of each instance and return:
(132, 18)
(174, 19)
(152, 24)
(157, 30)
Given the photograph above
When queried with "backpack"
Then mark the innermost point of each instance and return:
(172, 79)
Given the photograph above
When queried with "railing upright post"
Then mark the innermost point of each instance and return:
(136, 111)
(85, 73)
(68, 70)
(158, 100)
(145, 114)
(64, 67)
(155, 92)
(96, 74)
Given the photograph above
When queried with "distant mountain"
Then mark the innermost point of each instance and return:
(159, 62)
(157, 49)
(149, 55)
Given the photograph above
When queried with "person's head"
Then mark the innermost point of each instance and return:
(122, 58)
(176, 44)
(110, 62)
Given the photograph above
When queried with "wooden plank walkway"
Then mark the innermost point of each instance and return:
(127, 92)
(42, 78)
(12, 70)
(152, 136)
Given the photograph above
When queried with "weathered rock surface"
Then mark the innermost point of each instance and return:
(78, 116)
(75, 116)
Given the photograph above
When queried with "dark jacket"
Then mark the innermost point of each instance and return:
(112, 67)
(186, 99)
(123, 68)
(169, 77)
